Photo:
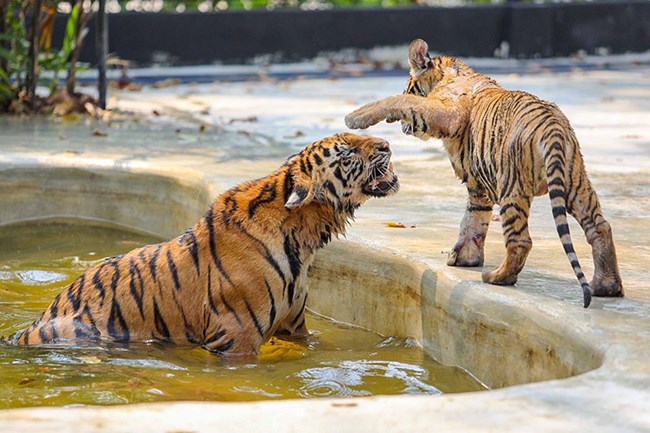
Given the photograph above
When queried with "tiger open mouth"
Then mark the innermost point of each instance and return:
(381, 182)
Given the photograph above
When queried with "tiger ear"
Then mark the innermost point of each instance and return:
(419, 59)
(302, 192)
(297, 198)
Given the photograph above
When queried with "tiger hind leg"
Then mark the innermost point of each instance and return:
(468, 250)
(585, 208)
(514, 220)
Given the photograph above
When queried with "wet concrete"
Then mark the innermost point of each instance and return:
(241, 124)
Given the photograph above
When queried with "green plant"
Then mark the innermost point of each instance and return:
(26, 56)
(13, 52)
(66, 59)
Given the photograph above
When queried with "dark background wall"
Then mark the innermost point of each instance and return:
(236, 36)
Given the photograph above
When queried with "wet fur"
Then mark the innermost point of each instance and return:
(506, 147)
(236, 277)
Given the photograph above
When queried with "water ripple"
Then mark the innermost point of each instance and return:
(341, 380)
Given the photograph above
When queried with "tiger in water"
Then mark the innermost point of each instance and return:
(237, 277)
(506, 147)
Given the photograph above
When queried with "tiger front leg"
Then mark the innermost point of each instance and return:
(468, 250)
(388, 109)
(426, 117)
(294, 325)
(514, 220)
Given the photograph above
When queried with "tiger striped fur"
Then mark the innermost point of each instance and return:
(236, 277)
(507, 147)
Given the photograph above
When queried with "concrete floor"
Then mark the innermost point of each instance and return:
(250, 127)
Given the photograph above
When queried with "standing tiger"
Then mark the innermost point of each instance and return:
(507, 147)
(236, 277)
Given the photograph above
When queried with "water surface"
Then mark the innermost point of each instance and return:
(38, 259)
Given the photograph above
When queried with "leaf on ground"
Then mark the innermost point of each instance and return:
(163, 84)
(249, 119)
(296, 134)
(395, 225)
(99, 133)
(71, 117)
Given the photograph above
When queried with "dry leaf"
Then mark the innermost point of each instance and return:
(99, 133)
(26, 380)
(169, 82)
(249, 119)
(296, 134)
(395, 225)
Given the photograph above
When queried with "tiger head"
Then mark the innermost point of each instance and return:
(344, 170)
(425, 72)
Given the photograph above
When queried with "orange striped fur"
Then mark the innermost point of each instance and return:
(236, 277)
(506, 147)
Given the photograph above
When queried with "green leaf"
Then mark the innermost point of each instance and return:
(6, 54)
(70, 30)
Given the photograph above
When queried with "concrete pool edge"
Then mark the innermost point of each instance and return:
(572, 404)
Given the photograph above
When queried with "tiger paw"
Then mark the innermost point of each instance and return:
(607, 287)
(468, 252)
(407, 128)
(499, 277)
(364, 117)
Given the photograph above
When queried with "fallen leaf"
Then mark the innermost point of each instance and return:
(71, 117)
(92, 109)
(249, 119)
(99, 133)
(169, 82)
(395, 225)
(26, 380)
(296, 134)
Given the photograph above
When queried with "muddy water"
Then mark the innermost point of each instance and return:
(38, 259)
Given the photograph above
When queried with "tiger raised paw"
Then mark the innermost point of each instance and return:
(237, 277)
(506, 147)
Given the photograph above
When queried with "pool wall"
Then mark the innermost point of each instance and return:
(505, 338)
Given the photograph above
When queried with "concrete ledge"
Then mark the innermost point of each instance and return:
(457, 324)
(155, 204)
